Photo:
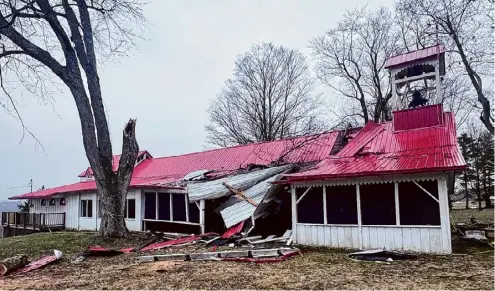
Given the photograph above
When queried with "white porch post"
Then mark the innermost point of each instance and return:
(156, 205)
(294, 213)
(358, 205)
(444, 215)
(202, 215)
(325, 219)
(397, 208)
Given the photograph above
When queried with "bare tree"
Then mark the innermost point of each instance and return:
(466, 27)
(42, 40)
(350, 59)
(270, 96)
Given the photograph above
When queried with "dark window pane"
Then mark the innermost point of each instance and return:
(179, 204)
(52, 202)
(83, 208)
(341, 205)
(164, 206)
(193, 212)
(62, 201)
(415, 206)
(43, 202)
(131, 208)
(378, 204)
(90, 208)
(150, 205)
(310, 208)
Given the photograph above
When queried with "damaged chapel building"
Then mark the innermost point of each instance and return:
(384, 185)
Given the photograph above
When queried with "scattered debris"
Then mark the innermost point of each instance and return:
(98, 251)
(42, 262)
(175, 242)
(11, 264)
(380, 256)
(255, 255)
(475, 234)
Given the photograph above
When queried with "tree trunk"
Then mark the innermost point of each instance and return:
(113, 189)
(466, 190)
(11, 264)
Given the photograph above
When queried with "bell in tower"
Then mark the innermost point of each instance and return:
(416, 77)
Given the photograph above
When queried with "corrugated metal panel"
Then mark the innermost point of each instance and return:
(389, 151)
(115, 164)
(370, 131)
(215, 189)
(236, 210)
(426, 116)
(413, 56)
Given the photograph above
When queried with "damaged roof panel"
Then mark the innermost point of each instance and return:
(238, 210)
(214, 189)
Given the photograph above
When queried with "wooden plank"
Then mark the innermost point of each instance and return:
(446, 241)
(307, 232)
(264, 253)
(424, 190)
(304, 194)
(233, 254)
(416, 239)
(406, 239)
(300, 234)
(348, 237)
(425, 239)
(314, 235)
(294, 215)
(365, 238)
(435, 240)
(341, 236)
(360, 223)
(321, 235)
(334, 236)
(325, 218)
(328, 235)
(204, 256)
(397, 208)
(356, 237)
(374, 238)
(398, 244)
(389, 240)
(240, 194)
(202, 215)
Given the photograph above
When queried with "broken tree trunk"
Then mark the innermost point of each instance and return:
(240, 194)
(113, 189)
(11, 264)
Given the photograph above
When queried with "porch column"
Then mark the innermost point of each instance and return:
(294, 213)
(202, 215)
(358, 205)
(444, 215)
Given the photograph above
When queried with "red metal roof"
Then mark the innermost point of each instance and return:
(417, 55)
(115, 165)
(425, 116)
(378, 149)
(157, 172)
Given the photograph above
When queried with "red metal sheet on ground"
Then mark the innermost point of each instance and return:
(182, 240)
(38, 264)
(233, 230)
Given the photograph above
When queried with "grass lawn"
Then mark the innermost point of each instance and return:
(463, 215)
(320, 268)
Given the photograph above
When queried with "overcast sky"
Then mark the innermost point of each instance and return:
(166, 83)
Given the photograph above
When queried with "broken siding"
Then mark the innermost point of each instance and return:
(240, 210)
(215, 189)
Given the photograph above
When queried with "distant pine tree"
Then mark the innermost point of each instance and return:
(468, 175)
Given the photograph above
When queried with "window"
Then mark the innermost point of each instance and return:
(52, 202)
(62, 201)
(164, 206)
(150, 205)
(130, 208)
(310, 207)
(43, 202)
(417, 207)
(193, 212)
(179, 207)
(341, 205)
(378, 204)
(87, 208)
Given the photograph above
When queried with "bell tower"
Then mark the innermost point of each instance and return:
(417, 77)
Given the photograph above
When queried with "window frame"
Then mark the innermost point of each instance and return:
(43, 202)
(126, 213)
(170, 208)
(62, 202)
(85, 214)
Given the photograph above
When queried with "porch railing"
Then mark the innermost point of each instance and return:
(35, 221)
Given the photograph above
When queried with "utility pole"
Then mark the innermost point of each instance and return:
(31, 184)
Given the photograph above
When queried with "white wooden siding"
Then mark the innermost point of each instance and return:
(72, 211)
(426, 239)
(57, 208)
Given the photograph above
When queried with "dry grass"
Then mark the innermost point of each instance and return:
(320, 268)
(464, 215)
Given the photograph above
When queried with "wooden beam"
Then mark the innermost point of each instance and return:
(397, 208)
(421, 187)
(294, 212)
(240, 194)
(304, 194)
(358, 205)
(325, 221)
(187, 207)
(202, 215)
(414, 78)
